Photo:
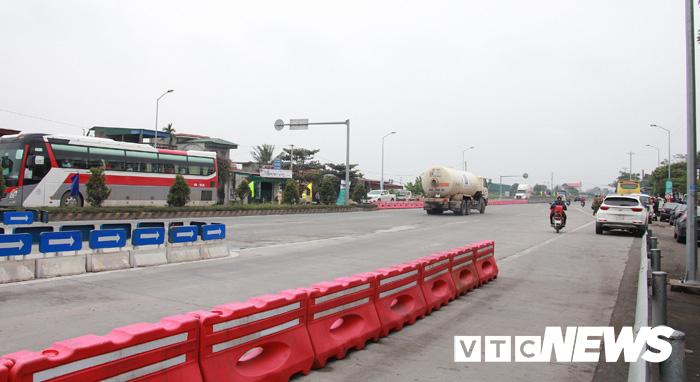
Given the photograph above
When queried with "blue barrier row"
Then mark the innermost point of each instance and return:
(71, 238)
(11, 217)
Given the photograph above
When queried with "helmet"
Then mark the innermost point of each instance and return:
(559, 197)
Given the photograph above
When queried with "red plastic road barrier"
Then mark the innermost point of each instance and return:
(436, 282)
(5, 365)
(485, 261)
(500, 202)
(264, 339)
(398, 297)
(166, 351)
(341, 316)
(463, 269)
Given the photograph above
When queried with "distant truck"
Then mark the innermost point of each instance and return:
(523, 191)
(447, 189)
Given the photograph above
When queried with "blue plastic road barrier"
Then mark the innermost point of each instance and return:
(183, 234)
(107, 238)
(15, 244)
(213, 232)
(17, 217)
(150, 225)
(60, 241)
(35, 231)
(83, 228)
(148, 236)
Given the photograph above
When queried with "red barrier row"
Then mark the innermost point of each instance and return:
(398, 205)
(500, 202)
(269, 337)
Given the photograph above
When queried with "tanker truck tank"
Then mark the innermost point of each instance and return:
(450, 189)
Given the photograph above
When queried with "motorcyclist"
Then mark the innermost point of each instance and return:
(583, 201)
(558, 202)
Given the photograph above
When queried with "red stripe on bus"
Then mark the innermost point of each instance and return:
(120, 180)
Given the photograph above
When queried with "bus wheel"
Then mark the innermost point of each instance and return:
(71, 201)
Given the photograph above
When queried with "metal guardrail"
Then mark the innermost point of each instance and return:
(673, 368)
(639, 370)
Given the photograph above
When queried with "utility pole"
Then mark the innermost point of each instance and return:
(291, 160)
(691, 253)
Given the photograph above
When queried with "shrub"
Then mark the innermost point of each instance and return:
(179, 193)
(243, 190)
(96, 187)
(291, 193)
(328, 195)
(359, 194)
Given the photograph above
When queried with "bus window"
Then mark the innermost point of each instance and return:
(201, 166)
(141, 161)
(71, 156)
(37, 162)
(173, 164)
(113, 159)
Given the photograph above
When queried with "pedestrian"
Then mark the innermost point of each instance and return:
(597, 201)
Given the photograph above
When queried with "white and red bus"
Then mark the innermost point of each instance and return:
(38, 169)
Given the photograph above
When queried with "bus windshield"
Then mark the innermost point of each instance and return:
(11, 163)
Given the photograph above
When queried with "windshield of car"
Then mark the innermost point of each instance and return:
(621, 202)
(374, 192)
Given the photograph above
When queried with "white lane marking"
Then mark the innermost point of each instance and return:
(540, 245)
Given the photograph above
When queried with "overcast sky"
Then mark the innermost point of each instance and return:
(542, 87)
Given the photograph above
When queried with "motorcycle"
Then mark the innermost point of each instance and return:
(558, 218)
(583, 203)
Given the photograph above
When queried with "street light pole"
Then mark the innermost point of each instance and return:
(669, 147)
(658, 155)
(303, 124)
(381, 185)
(155, 139)
(464, 164)
(630, 153)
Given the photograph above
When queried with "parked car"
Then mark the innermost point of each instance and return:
(625, 212)
(665, 211)
(646, 201)
(403, 195)
(681, 225)
(676, 213)
(380, 196)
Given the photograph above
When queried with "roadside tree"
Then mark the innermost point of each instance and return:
(328, 194)
(96, 187)
(291, 193)
(179, 193)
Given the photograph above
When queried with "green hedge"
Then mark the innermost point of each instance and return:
(230, 207)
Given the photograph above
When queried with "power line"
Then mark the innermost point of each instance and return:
(44, 119)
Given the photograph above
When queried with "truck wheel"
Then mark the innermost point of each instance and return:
(482, 206)
(466, 204)
(463, 208)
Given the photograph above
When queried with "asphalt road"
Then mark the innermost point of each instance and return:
(545, 279)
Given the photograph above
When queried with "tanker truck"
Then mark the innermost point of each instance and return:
(448, 189)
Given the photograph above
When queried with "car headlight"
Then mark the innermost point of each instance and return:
(13, 194)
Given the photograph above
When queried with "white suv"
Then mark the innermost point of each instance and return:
(380, 196)
(626, 212)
